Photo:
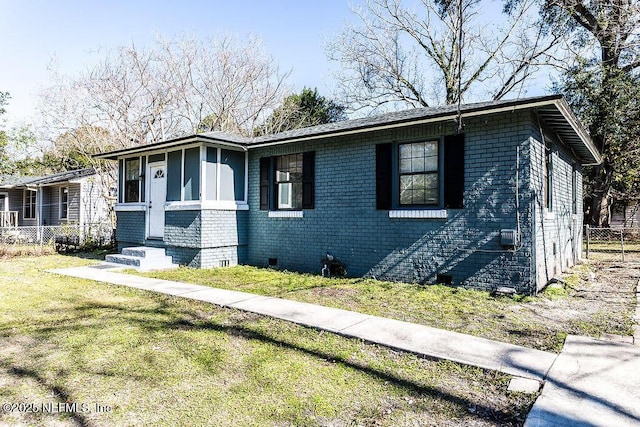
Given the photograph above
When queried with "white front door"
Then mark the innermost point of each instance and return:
(157, 196)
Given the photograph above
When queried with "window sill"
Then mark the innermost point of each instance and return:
(130, 207)
(196, 205)
(549, 215)
(418, 214)
(286, 214)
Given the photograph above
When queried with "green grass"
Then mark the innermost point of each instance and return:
(612, 247)
(161, 360)
(515, 320)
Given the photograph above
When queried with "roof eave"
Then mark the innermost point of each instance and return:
(114, 155)
(479, 111)
(572, 120)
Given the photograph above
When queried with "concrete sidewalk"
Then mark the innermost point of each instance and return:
(592, 383)
(423, 340)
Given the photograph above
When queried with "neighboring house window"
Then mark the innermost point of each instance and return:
(64, 202)
(420, 174)
(291, 183)
(29, 204)
(132, 180)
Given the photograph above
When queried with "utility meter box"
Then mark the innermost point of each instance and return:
(509, 237)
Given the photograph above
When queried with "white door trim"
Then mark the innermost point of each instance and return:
(154, 204)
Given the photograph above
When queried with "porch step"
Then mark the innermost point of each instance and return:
(143, 258)
(144, 252)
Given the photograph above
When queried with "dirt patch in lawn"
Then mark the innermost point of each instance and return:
(598, 298)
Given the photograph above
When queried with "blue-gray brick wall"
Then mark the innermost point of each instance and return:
(196, 238)
(346, 224)
(206, 238)
(130, 228)
(502, 151)
(558, 231)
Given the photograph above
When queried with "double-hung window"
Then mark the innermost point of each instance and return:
(132, 180)
(29, 204)
(421, 174)
(418, 173)
(64, 202)
(287, 182)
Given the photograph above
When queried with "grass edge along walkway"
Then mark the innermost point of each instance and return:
(418, 339)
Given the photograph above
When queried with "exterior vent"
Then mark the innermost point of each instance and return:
(509, 237)
(224, 263)
(444, 279)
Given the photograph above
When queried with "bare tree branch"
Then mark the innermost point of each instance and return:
(402, 56)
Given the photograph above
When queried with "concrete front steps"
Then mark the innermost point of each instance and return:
(143, 258)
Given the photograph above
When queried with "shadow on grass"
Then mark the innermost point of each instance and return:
(166, 316)
(187, 320)
(59, 394)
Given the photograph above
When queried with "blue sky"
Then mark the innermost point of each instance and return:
(33, 32)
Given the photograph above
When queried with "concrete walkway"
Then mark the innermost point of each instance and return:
(423, 340)
(591, 383)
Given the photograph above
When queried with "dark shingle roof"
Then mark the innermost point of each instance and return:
(553, 109)
(7, 181)
(398, 117)
(19, 181)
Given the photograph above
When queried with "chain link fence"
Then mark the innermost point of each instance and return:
(90, 236)
(612, 243)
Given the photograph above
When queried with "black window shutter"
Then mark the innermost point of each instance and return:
(308, 179)
(453, 171)
(265, 163)
(384, 176)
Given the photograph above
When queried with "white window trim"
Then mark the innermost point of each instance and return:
(6, 201)
(217, 204)
(60, 191)
(196, 205)
(130, 207)
(286, 214)
(123, 184)
(418, 214)
(24, 204)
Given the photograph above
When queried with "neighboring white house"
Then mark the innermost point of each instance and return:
(625, 214)
(73, 197)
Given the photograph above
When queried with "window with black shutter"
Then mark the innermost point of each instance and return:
(420, 174)
(291, 181)
(265, 172)
(384, 176)
(308, 179)
(454, 171)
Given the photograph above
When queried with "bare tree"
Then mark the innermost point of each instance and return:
(602, 84)
(139, 95)
(448, 51)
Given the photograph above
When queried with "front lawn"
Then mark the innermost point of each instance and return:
(84, 353)
(541, 322)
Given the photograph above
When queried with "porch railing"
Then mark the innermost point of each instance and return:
(8, 218)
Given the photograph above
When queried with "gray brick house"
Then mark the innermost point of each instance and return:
(400, 196)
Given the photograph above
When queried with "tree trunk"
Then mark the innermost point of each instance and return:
(599, 211)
